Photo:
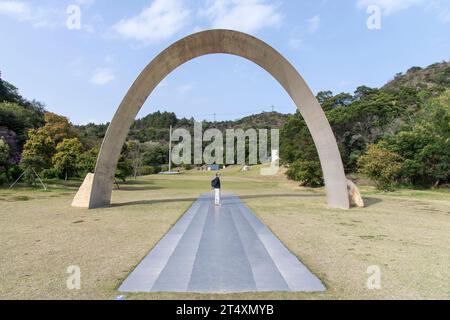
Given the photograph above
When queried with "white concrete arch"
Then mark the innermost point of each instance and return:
(97, 189)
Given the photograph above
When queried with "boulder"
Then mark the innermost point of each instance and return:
(354, 195)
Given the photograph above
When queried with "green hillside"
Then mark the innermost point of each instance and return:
(406, 120)
(408, 117)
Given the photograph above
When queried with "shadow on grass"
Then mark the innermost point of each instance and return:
(136, 185)
(137, 188)
(156, 201)
(281, 195)
(192, 199)
(368, 202)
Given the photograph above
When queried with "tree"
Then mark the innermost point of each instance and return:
(19, 120)
(87, 160)
(135, 156)
(298, 151)
(66, 157)
(424, 143)
(159, 120)
(156, 155)
(57, 128)
(8, 92)
(309, 173)
(124, 166)
(37, 153)
(4, 153)
(324, 96)
(330, 102)
(362, 92)
(381, 165)
(90, 135)
(4, 161)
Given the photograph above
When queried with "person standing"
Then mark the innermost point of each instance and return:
(216, 185)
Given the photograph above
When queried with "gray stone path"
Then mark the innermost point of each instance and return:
(220, 250)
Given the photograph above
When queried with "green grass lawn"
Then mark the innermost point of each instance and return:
(405, 233)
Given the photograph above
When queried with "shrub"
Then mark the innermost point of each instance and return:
(382, 166)
(15, 172)
(309, 173)
(149, 170)
(87, 161)
(50, 174)
(3, 178)
(424, 144)
(187, 166)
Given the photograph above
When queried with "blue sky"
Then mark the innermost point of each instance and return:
(84, 73)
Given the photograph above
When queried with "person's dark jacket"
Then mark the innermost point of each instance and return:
(215, 184)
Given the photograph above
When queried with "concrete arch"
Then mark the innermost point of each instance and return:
(97, 189)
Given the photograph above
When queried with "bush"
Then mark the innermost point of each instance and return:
(187, 166)
(50, 174)
(309, 173)
(15, 172)
(3, 178)
(87, 161)
(424, 144)
(382, 166)
(149, 170)
(157, 155)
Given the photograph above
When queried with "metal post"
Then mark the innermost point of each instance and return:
(40, 180)
(15, 182)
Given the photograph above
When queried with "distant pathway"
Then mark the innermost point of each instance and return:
(220, 250)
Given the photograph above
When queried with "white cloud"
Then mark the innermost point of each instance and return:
(15, 9)
(45, 16)
(390, 6)
(37, 16)
(314, 24)
(102, 76)
(243, 15)
(161, 20)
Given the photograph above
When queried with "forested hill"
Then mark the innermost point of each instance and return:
(18, 114)
(434, 78)
(406, 88)
(155, 126)
(404, 125)
(407, 118)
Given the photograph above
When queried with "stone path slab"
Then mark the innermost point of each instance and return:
(222, 249)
